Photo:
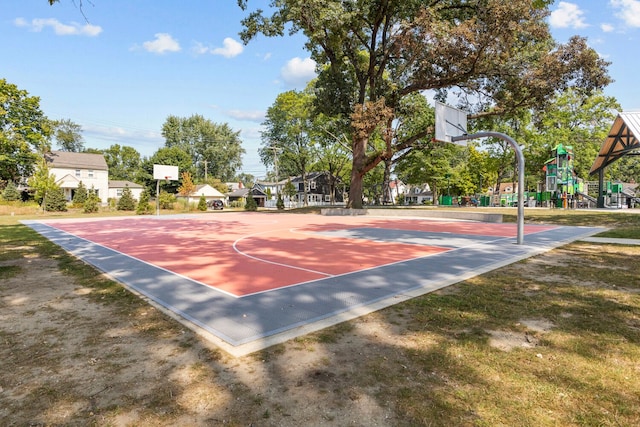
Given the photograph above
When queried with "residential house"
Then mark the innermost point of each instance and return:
(271, 189)
(396, 188)
(70, 168)
(418, 195)
(209, 193)
(321, 188)
(117, 187)
(239, 196)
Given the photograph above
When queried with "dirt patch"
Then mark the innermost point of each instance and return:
(508, 340)
(71, 360)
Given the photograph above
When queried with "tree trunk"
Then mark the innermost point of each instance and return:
(357, 173)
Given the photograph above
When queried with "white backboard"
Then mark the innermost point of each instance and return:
(165, 172)
(450, 122)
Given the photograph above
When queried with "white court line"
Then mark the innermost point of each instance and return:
(235, 248)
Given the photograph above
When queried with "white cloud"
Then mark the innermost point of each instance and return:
(163, 43)
(199, 49)
(251, 116)
(607, 28)
(298, 71)
(72, 29)
(628, 11)
(231, 48)
(567, 15)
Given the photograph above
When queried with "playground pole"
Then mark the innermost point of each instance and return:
(520, 158)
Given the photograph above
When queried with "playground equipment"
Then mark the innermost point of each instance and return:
(561, 183)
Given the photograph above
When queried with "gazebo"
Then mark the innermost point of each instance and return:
(622, 140)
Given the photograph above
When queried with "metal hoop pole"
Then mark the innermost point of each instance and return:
(520, 158)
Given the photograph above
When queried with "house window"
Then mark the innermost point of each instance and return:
(313, 185)
(90, 173)
(327, 198)
(78, 173)
(119, 192)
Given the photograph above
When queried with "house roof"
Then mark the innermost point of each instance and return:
(122, 184)
(311, 176)
(241, 192)
(211, 191)
(621, 140)
(71, 160)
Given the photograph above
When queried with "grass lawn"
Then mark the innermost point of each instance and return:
(552, 340)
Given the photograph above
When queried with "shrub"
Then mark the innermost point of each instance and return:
(280, 203)
(166, 200)
(80, 195)
(54, 200)
(92, 204)
(144, 208)
(126, 201)
(202, 203)
(11, 193)
(251, 204)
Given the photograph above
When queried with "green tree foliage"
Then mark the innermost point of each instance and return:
(80, 195)
(577, 119)
(68, 135)
(213, 147)
(433, 165)
(11, 193)
(202, 203)
(173, 156)
(126, 202)
(251, 204)
(24, 131)
(55, 200)
(287, 137)
(289, 190)
(144, 207)
(124, 163)
(92, 204)
(280, 202)
(371, 54)
(246, 179)
(166, 200)
(42, 182)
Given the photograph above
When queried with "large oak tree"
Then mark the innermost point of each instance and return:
(372, 53)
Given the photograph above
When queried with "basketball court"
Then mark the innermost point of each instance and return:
(248, 280)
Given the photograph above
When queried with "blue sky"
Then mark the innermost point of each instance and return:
(121, 71)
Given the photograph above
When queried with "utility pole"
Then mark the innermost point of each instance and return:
(275, 161)
(205, 170)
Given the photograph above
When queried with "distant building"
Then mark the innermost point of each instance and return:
(207, 191)
(117, 187)
(70, 168)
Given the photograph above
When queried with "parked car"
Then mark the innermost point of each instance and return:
(215, 204)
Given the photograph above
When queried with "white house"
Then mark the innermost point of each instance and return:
(117, 187)
(70, 168)
(207, 191)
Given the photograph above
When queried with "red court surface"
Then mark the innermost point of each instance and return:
(242, 254)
